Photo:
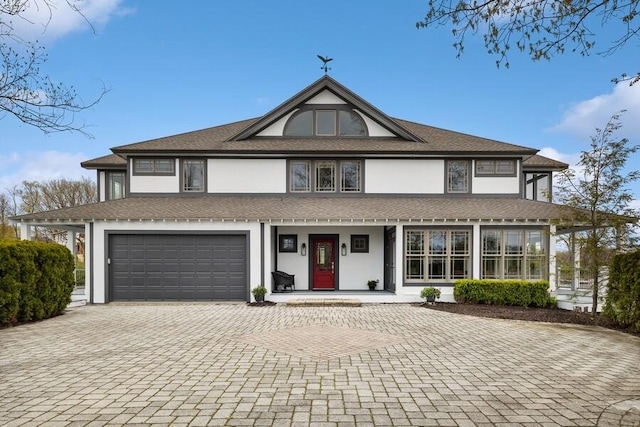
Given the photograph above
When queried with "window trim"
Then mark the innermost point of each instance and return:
(108, 187)
(337, 176)
(204, 175)
(288, 243)
(425, 255)
(315, 108)
(494, 168)
(447, 176)
(355, 246)
(154, 161)
(523, 258)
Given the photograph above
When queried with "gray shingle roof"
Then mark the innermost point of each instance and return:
(109, 161)
(285, 207)
(542, 162)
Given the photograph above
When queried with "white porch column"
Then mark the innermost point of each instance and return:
(399, 259)
(476, 252)
(88, 257)
(267, 252)
(553, 279)
(71, 244)
(25, 231)
(575, 258)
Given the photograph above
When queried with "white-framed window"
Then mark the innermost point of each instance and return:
(513, 254)
(153, 166)
(437, 255)
(495, 167)
(193, 175)
(457, 176)
(325, 176)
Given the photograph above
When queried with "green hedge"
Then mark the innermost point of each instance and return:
(36, 281)
(502, 292)
(623, 291)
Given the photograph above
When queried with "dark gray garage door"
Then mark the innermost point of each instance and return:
(169, 267)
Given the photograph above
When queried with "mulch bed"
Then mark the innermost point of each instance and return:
(261, 304)
(552, 315)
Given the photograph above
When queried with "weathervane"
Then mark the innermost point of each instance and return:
(325, 60)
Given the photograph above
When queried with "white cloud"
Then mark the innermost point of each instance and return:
(584, 117)
(53, 19)
(571, 159)
(41, 166)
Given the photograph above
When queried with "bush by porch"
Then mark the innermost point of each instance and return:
(503, 292)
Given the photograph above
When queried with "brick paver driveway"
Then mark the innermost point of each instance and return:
(208, 364)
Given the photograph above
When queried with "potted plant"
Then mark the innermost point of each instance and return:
(259, 292)
(372, 284)
(430, 294)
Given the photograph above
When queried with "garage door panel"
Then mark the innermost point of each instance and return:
(178, 267)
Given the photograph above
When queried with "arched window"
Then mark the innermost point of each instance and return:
(326, 122)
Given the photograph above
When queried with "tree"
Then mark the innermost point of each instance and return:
(597, 199)
(7, 209)
(25, 92)
(542, 28)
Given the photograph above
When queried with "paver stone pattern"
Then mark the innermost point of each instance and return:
(375, 365)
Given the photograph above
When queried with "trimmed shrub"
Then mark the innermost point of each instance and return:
(623, 291)
(502, 292)
(36, 281)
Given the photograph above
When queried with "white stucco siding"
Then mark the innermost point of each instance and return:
(496, 185)
(404, 176)
(247, 176)
(326, 97)
(100, 256)
(154, 184)
(354, 269)
(277, 128)
(374, 128)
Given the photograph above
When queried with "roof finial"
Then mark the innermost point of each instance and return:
(325, 60)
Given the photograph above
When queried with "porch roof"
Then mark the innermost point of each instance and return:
(304, 209)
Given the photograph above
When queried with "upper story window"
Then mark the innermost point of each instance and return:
(154, 167)
(457, 176)
(193, 175)
(538, 186)
(325, 176)
(326, 121)
(495, 167)
(115, 185)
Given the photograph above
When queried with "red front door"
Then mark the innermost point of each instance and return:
(324, 263)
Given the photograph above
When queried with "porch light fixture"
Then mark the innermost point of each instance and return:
(303, 249)
(343, 249)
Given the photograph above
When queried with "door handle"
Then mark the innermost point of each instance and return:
(333, 269)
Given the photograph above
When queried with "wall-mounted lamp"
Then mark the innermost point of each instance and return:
(343, 249)
(303, 249)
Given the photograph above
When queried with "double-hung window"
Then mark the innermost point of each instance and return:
(437, 255)
(513, 254)
(193, 175)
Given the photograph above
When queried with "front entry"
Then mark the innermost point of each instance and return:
(323, 268)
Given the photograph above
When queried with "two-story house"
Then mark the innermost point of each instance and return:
(325, 187)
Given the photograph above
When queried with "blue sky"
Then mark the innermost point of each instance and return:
(173, 69)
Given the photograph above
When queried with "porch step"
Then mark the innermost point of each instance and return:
(324, 302)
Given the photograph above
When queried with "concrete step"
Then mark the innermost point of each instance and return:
(324, 302)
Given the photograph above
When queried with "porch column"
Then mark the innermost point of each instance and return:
(476, 251)
(399, 259)
(575, 258)
(553, 278)
(71, 244)
(25, 231)
(88, 262)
